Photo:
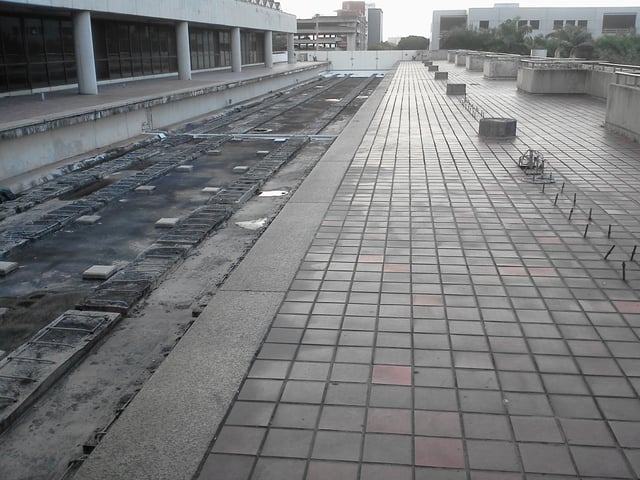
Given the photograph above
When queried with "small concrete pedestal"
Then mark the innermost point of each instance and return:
(456, 88)
(427, 63)
(497, 127)
(433, 68)
(441, 75)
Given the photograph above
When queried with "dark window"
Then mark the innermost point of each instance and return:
(522, 23)
(535, 24)
(484, 24)
(35, 52)
(124, 49)
(557, 24)
(582, 23)
(450, 23)
(618, 24)
(570, 22)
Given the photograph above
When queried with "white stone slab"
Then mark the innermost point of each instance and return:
(211, 189)
(167, 222)
(240, 169)
(214, 153)
(88, 219)
(279, 140)
(7, 267)
(184, 168)
(262, 153)
(145, 189)
(99, 272)
(273, 193)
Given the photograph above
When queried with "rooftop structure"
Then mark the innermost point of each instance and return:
(375, 24)
(345, 31)
(47, 44)
(542, 20)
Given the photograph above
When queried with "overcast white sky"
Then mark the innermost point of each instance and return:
(413, 17)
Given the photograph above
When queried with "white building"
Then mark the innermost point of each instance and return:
(543, 20)
(52, 43)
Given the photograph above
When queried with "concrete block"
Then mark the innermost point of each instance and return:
(213, 190)
(441, 75)
(145, 189)
(99, 272)
(7, 267)
(433, 68)
(3, 312)
(427, 63)
(88, 219)
(184, 168)
(456, 88)
(240, 169)
(167, 222)
(279, 140)
(262, 153)
(497, 127)
(214, 153)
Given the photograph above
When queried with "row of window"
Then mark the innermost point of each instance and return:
(37, 52)
(535, 24)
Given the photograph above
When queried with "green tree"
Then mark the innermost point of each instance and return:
(413, 42)
(511, 37)
(462, 38)
(567, 41)
(623, 49)
(381, 46)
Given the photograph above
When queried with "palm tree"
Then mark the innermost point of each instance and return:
(568, 39)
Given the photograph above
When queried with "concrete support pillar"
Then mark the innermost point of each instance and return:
(351, 41)
(85, 61)
(236, 50)
(268, 49)
(291, 54)
(184, 52)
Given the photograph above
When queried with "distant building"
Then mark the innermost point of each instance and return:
(374, 19)
(345, 31)
(543, 20)
(53, 43)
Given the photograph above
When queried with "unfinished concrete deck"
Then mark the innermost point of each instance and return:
(426, 313)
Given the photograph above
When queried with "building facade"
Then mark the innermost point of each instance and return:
(543, 20)
(345, 31)
(46, 44)
(374, 19)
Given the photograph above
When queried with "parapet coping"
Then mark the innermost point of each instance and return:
(32, 126)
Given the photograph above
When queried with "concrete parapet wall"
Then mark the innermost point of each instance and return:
(598, 83)
(371, 59)
(475, 62)
(500, 67)
(32, 146)
(557, 80)
(623, 110)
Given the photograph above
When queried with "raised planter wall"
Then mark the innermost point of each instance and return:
(623, 110)
(475, 62)
(556, 80)
(500, 67)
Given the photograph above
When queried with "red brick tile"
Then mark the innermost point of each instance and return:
(397, 267)
(627, 307)
(428, 300)
(392, 375)
(438, 452)
(389, 420)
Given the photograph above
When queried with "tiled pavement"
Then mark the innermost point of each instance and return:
(450, 321)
